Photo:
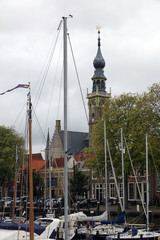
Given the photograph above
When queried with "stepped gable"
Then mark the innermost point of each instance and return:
(77, 141)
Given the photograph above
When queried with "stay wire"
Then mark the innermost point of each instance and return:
(59, 97)
(46, 69)
(78, 77)
(135, 177)
(41, 131)
(53, 87)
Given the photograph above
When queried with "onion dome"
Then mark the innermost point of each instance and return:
(99, 61)
(99, 64)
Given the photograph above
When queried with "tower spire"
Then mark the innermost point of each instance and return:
(99, 63)
(48, 140)
(99, 40)
(97, 97)
(47, 146)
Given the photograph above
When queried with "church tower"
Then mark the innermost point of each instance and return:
(97, 97)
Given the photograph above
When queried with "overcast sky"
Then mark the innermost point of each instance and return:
(130, 37)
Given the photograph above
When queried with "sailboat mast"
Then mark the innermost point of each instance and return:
(65, 126)
(122, 169)
(31, 214)
(50, 169)
(105, 155)
(15, 188)
(147, 184)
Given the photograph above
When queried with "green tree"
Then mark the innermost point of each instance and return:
(38, 185)
(79, 183)
(119, 112)
(148, 108)
(9, 139)
(138, 115)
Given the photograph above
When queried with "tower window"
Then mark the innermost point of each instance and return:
(94, 86)
(102, 88)
(99, 85)
(93, 117)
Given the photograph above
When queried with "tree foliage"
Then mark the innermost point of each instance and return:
(9, 139)
(79, 183)
(137, 115)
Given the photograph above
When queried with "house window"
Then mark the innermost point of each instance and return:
(53, 182)
(144, 192)
(121, 190)
(131, 191)
(112, 190)
(137, 191)
(99, 192)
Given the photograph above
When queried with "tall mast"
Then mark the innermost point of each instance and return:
(147, 183)
(31, 213)
(15, 187)
(105, 155)
(45, 184)
(122, 169)
(50, 195)
(65, 126)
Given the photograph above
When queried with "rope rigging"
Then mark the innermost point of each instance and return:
(41, 86)
(53, 87)
(78, 78)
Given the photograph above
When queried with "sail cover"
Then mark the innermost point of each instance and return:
(25, 227)
(118, 220)
(38, 229)
(9, 226)
(102, 218)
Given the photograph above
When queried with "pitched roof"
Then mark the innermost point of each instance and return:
(77, 141)
(57, 162)
(37, 156)
(37, 164)
(81, 157)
